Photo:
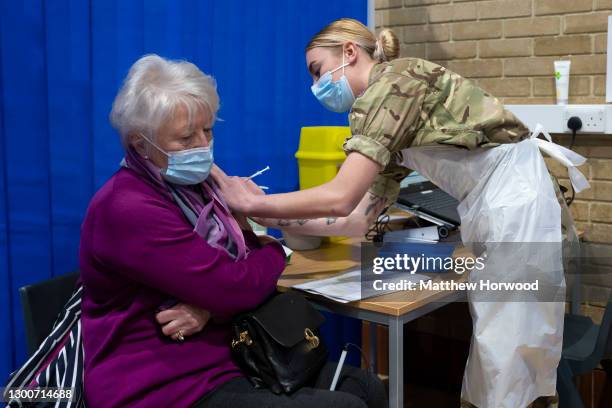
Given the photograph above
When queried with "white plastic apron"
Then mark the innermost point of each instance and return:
(506, 195)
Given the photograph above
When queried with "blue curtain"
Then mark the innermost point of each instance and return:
(61, 64)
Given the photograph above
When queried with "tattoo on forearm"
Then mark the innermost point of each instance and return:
(375, 202)
(301, 222)
(288, 223)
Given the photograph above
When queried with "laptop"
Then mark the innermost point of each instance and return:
(424, 199)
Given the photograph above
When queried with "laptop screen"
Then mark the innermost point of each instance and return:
(412, 178)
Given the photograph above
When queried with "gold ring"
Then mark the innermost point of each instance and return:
(180, 336)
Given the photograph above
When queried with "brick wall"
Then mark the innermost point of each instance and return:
(508, 47)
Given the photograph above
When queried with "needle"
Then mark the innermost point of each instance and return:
(259, 172)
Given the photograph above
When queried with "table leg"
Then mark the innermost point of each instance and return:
(396, 363)
(576, 288)
(373, 334)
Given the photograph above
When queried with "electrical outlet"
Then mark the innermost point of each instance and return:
(592, 117)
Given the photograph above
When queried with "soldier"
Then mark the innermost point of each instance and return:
(397, 107)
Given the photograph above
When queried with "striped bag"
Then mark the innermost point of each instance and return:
(58, 362)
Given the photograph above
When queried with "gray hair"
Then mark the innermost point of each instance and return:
(154, 88)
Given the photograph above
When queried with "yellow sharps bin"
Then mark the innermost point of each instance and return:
(320, 155)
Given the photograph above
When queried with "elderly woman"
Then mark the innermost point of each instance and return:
(158, 233)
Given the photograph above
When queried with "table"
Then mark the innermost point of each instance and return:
(393, 310)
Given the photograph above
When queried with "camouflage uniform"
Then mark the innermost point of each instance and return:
(413, 102)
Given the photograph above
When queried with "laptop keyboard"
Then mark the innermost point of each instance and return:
(435, 200)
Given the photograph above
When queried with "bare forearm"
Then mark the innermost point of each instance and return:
(336, 198)
(355, 225)
(323, 227)
(321, 201)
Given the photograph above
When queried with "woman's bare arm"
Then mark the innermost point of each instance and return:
(356, 224)
(336, 198)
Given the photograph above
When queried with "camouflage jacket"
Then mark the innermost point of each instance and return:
(413, 102)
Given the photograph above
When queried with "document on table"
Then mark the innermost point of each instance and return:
(347, 287)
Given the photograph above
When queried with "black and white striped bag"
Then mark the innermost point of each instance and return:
(58, 362)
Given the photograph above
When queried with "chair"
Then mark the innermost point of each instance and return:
(584, 345)
(41, 303)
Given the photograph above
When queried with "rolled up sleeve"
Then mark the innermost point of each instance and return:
(384, 118)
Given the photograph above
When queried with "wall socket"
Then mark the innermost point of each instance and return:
(593, 118)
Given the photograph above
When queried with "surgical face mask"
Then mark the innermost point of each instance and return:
(187, 167)
(336, 96)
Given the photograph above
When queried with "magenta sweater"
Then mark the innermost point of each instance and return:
(137, 251)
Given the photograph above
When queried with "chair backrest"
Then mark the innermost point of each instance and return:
(41, 303)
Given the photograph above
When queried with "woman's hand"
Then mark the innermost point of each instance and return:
(234, 190)
(238, 192)
(182, 318)
(253, 188)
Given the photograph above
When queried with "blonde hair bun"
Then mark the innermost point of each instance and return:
(335, 34)
(387, 47)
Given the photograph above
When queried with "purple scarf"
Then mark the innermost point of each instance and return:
(215, 222)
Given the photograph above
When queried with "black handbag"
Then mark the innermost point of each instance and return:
(278, 345)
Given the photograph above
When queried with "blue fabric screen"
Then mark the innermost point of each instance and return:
(61, 64)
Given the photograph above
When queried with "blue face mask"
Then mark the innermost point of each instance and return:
(336, 96)
(187, 167)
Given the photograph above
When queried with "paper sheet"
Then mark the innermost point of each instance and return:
(346, 287)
